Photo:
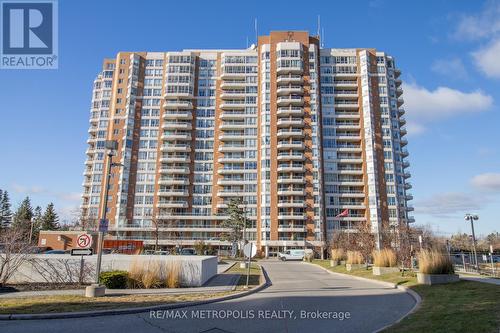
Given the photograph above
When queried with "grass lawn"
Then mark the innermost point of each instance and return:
(72, 303)
(464, 306)
(254, 277)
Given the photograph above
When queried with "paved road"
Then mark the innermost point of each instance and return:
(296, 287)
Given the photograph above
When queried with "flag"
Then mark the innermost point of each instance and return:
(344, 213)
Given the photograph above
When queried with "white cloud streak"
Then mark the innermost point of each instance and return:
(425, 106)
(487, 181)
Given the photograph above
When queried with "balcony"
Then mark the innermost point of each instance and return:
(346, 105)
(398, 82)
(226, 125)
(232, 159)
(290, 168)
(178, 115)
(289, 79)
(233, 84)
(231, 148)
(291, 228)
(406, 175)
(402, 121)
(295, 122)
(297, 145)
(290, 100)
(404, 153)
(290, 157)
(290, 180)
(407, 186)
(290, 111)
(231, 75)
(289, 216)
(233, 104)
(406, 164)
(169, 104)
(408, 197)
(174, 170)
(284, 133)
(176, 136)
(173, 192)
(291, 203)
(225, 136)
(230, 94)
(176, 125)
(232, 115)
(178, 147)
(291, 69)
(399, 91)
(410, 208)
(287, 90)
(226, 171)
(401, 111)
(290, 191)
(403, 142)
(400, 101)
(172, 204)
(345, 83)
(229, 181)
(181, 159)
(173, 181)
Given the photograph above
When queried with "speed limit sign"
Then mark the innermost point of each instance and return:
(84, 241)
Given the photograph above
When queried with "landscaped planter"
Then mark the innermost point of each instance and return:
(431, 279)
(334, 263)
(384, 270)
(351, 267)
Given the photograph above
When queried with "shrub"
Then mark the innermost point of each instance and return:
(338, 254)
(354, 258)
(135, 273)
(114, 279)
(151, 277)
(434, 262)
(172, 274)
(384, 258)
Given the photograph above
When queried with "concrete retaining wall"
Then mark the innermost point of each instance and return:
(194, 272)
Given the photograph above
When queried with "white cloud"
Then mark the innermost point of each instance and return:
(452, 67)
(482, 25)
(38, 190)
(446, 204)
(487, 181)
(425, 106)
(487, 59)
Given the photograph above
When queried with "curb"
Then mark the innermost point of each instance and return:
(411, 292)
(112, 312)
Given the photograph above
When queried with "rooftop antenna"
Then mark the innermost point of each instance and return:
(247, 42)
(319, 25)
(256, 33)
(323, 38)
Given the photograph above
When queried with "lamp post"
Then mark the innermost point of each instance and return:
(471, 218)
(111, 147)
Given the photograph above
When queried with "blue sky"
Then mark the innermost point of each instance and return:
(447, 51)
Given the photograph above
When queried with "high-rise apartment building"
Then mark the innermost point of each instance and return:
(310, 138)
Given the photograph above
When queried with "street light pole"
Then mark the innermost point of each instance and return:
(471, 218)
(111, 146)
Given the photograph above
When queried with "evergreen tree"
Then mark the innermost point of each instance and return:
(36, 224)
(50, 220)
(22, 217)
(5, 212)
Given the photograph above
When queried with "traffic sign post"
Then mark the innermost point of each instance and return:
(250, 251)
(81, 252)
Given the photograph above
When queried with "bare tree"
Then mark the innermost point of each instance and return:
(365, 240)
(14, 251)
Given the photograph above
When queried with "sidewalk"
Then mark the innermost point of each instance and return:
(479, 278)
(219, 283)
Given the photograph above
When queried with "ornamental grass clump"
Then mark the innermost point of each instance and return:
(338, 254)
(434, 262)
(172, 274)
(384, 258)
(354, 258)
